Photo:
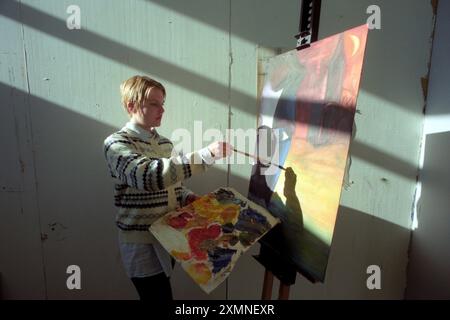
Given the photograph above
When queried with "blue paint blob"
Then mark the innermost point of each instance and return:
(227, 197)
(228, 228)
(252, 222)
(220, 258)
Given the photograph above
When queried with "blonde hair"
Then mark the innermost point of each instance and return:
(136, 88)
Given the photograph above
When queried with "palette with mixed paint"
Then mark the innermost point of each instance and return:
(208, 236)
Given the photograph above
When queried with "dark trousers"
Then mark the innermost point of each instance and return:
(155, 288)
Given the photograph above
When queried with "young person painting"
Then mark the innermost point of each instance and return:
(148, 183)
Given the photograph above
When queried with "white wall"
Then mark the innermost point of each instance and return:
(428, 276)
(20, 245)
(60, 92)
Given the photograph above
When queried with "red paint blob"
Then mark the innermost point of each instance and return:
(198, 235)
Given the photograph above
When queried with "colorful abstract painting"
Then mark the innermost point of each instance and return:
(209, 235)
(307, 108)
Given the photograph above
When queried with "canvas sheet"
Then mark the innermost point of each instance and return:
(306, 115)
(209, 235)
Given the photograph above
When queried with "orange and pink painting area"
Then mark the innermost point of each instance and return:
(209, 235)
(307, 110)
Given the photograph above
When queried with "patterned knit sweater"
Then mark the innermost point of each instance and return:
(148, 178)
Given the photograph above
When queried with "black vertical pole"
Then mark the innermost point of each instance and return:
(308, 29)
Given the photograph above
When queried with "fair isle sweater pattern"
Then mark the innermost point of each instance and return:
(148, 179)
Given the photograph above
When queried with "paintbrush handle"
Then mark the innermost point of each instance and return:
(246, 154)
(256, 158)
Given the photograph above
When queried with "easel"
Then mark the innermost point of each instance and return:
(283, 292)
(274, 263)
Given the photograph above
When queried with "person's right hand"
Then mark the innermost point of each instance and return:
(220, 149)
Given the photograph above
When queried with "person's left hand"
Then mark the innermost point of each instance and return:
(191, 198)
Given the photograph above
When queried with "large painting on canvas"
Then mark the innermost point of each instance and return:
(306, 115)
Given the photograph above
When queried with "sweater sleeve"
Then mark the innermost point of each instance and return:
(150, 174)
(185, 192)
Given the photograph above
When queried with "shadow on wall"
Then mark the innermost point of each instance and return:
(76, 208)
(428, 276)
(126, 55)
(260, 28)
(360, 240)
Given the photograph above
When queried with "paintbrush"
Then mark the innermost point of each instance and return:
(257, 158)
